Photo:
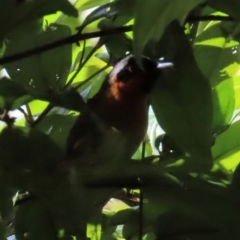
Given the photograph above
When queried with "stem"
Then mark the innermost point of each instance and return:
(29, 113)
(42, 115)
(67, 40)
(81, 65)
(141, 197)
(92, 76)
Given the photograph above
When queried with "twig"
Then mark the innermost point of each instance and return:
(67, 40)
(92, 76)
(141, 198)
(209, 18)
(29, 113)
(42, 115)
(83, 52)
(24, 114)
(84, 36)
(81, 65)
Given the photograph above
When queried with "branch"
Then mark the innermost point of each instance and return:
(68, 40)
(42, 115)
(84, 36)
(209, 18)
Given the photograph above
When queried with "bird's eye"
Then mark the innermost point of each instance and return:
(125, 74)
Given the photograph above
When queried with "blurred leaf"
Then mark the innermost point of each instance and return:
(208, 204)
(131, 225)
(69, 99)
(229, 7)
(121, 217)
(28, 151)
(184, 95)
(55, 64)
(226, 148)
(26, 72)
(152, 17)
(100, 12)
(120, 10)
(33, 219)
(223, 104)
(87, 4)
(215, 51)
(116, 49)
(27, 11)
(12, 94)
(2, 231)
(57, 127)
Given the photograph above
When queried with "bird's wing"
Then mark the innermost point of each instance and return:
(91, 140)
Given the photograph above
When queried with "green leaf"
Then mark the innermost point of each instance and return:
(26, 72)
(12, 95)
(120, 217)
(216, 52)
(69, 99)
(226, 149)
(33, 218)
(55, 64)
(152, 17)
(131, 227)
(100, 12)
(57, 127)
(116, 49)
(223, 104)
(27, 11)
(229, 7)
(87, 4)
(27, 154)
(182, 101)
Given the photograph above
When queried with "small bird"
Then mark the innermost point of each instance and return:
(115, 121)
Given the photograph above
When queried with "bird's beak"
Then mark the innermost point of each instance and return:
(164, 65)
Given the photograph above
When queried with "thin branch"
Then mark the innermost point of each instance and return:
(81, 65)
(209, 18)
(68, 40)
(29, 113)
(42, 115)
(24, 114)
(92, 76)
(84, 36)
(140, 234)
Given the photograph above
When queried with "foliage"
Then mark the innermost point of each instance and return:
(54, 63)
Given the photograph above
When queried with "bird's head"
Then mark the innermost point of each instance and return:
(128, 78)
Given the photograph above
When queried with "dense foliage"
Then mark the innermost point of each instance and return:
(55, 55)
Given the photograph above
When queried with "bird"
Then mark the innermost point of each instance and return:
(116, 118)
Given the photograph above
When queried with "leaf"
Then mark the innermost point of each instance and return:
(229, 7)
(120, 217)
(100, 12)
(55, 64)
(226, 148)
(27, 154)
(182, 101)
(12, 94)
(87, 4)
(69, 99)
(26, 72)
(32, 218)
(215, 52)
(27, 11)
(116, 49)
(57, 127)
(152, 17)
(120, 10)
(223, 104)
(131, 227)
